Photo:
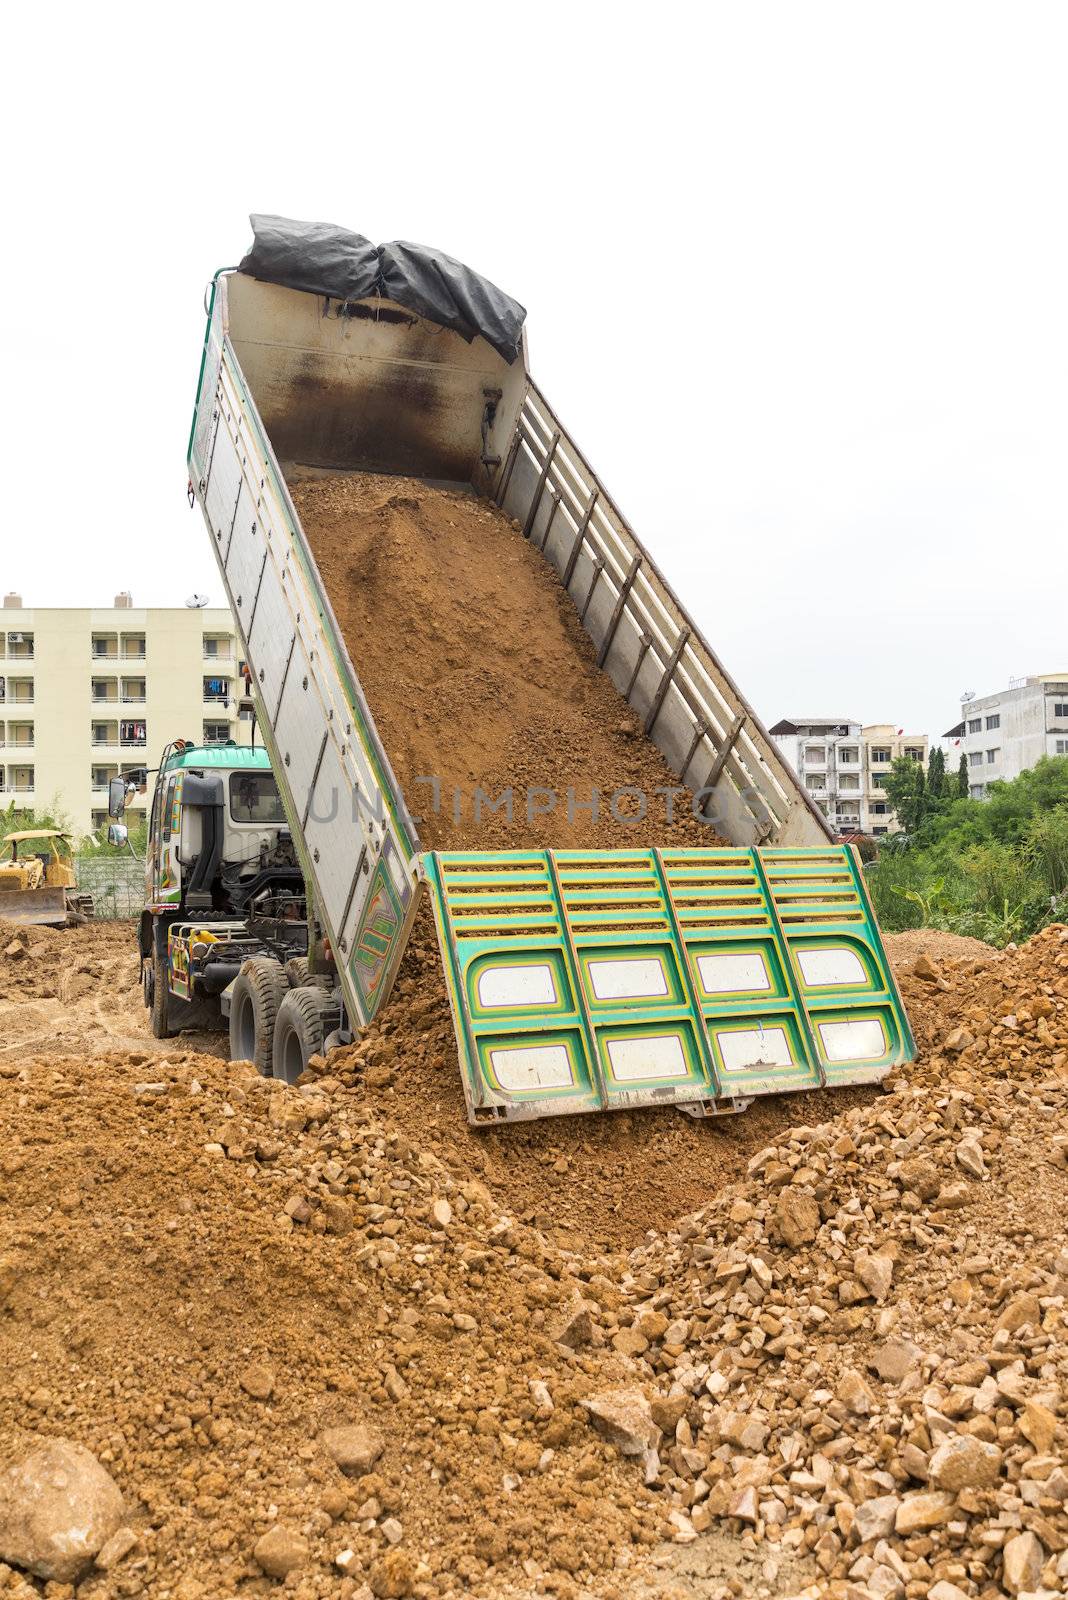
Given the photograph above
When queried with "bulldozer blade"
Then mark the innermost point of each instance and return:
(35, 907)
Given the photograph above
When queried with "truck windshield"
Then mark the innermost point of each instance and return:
(254, 797)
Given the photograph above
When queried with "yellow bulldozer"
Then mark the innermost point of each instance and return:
(37, 880)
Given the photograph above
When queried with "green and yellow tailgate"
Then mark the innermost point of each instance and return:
(591, 981)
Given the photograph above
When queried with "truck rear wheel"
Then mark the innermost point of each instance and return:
(257, 995)
(304, 1018)
(301, 976)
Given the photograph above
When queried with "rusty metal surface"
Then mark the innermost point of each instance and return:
(386, 391)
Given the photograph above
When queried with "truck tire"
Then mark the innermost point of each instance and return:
(300, 975)
(304, 1018)
(257, 994)
(156, 996)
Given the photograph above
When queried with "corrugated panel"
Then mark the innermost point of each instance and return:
(584, 981)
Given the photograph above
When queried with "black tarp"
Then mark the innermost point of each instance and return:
(323, 259)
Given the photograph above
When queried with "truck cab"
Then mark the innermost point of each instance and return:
(225, 897)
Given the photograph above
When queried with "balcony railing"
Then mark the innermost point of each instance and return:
(16, 788)
(104, 739)
(132, 743)
(133, 699)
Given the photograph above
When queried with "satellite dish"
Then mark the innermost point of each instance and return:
(197, 602)
(969, 694)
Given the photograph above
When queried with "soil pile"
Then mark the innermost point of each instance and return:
(318, 1344)
(867, 1340)
(479, 674)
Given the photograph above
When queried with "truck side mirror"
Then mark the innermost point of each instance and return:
(116, 797)
(118, 833)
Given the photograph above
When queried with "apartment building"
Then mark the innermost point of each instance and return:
(827, 755)
(86, 694)
(842, 765)
(1003, 734)
(883, 745)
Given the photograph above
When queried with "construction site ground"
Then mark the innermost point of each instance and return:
(328, 1341)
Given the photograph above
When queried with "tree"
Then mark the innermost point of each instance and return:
(936, 773)
(962, 778)
(906, 790)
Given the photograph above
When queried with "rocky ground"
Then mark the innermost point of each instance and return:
(256, 1338)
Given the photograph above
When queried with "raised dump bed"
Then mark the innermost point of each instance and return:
(388, 491)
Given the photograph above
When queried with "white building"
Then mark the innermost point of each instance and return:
(842, 765)
(1004, 734)
(827, 755)
(87, 693)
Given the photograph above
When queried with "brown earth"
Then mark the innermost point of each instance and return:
(478, 672)
(178, 1235)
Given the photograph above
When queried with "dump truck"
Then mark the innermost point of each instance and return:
(579, 980)
(39, 886)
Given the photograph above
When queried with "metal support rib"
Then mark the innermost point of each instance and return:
(575, 968)
(688, 973)
(506, 471)
(795, 975)
(576, 548)
(665, 681)
(722, 754)
(314, 781)
(542, 480)
(617, 610)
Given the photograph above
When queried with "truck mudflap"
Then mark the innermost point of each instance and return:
(693, 978)
(37, 907)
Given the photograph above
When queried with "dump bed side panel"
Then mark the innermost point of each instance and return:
(654, 653)
(358, 846)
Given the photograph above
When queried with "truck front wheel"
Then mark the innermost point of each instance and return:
(254, 1003)
(155, 993)
(305, 1016)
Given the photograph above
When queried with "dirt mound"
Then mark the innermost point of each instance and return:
(843, 1373)
(479, 674)
(587, 1181)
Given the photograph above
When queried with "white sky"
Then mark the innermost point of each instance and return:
(796, 279)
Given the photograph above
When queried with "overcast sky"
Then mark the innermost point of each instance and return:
(796, 280)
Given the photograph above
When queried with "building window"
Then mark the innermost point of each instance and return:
(1060, 708)
(994, 721)
(880, 808)
(812, 780)
(131, 733)
(849, 755)
(216, 732)
(976, 758)
(977, 791)
(914, 752)
(975, 724)
(849, 780)
(880, 753)
(20, 646)
(815, 755)
(217, 689)
(876, 831)
(1062, 747)
(991, 757)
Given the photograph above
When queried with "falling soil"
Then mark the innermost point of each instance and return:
(480, 676)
